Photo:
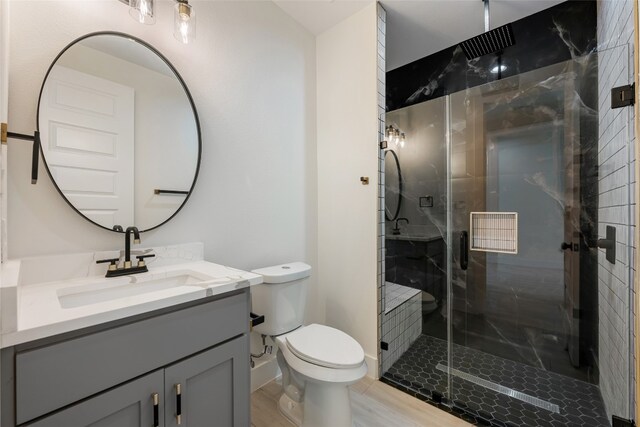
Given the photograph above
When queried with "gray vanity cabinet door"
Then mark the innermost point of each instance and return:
(214, 385)
(129, 405)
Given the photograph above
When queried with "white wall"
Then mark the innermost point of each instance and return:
(348, 149)
(251, 72)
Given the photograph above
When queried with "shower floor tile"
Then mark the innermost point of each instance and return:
(579, 403)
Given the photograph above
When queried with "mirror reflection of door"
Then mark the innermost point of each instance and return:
(88, 129)
(119, 130)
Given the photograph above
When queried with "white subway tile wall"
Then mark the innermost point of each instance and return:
(616, 205)
(401, 326)
(382, 17)
(396, 295)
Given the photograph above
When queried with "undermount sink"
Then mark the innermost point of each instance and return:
(127, 286)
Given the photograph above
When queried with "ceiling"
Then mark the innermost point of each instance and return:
(318, 16)
(415, 28)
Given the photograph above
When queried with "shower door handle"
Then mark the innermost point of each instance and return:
(464, 250)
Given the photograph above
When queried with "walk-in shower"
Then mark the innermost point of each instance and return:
(500, 303)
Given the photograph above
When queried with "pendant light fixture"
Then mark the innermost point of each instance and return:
(395, 136)
(142, 11)
(184, 17)
(184, 22)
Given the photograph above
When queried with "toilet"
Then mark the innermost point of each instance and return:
(429, 304)
(318, 363)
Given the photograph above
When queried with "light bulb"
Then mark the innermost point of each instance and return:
(142, 11)
(184, 22)
(497, 68)
(402, 140)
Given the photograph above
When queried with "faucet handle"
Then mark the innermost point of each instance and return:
(141, 258)
(113, 263)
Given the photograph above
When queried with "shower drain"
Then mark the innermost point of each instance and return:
(532, 400)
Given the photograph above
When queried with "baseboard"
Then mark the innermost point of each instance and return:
(372, 366)
(265, 371)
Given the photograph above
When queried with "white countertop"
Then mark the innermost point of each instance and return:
(33, 311)
(414, 232)
(414, 238)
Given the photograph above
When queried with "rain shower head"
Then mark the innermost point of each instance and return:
(490, 41)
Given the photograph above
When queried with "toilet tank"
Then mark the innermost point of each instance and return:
(281, 298)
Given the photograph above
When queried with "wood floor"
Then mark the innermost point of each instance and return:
(375, 404)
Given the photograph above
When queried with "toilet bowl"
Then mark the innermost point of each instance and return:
(318, 362)
(429, 303)
(323, 362)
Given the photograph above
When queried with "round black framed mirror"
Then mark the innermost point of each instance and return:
(120, 133)
(392, 186)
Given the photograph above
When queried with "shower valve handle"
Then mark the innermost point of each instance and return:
(464, 250)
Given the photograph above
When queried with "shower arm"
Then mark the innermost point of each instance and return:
(486, 15)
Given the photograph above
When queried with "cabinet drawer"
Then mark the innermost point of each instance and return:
(51, 377)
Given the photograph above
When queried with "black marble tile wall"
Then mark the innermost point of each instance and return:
(554, 35)
(418, 264)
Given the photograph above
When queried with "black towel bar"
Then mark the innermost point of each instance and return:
(158, 191)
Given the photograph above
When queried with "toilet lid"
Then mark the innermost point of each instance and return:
(325, 346)
(427, 297)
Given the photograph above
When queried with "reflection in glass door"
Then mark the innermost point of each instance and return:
(529, 324)
(524, 155)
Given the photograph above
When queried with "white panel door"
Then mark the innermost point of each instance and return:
(87, 130)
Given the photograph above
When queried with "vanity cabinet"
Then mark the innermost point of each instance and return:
(107, 375)
(207, 395)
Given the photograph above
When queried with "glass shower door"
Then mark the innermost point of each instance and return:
(525, 302)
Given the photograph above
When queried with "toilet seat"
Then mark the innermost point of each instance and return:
(325, 346)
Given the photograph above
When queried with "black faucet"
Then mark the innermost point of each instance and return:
(127, 268)
(127, 244)
(396, 229)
